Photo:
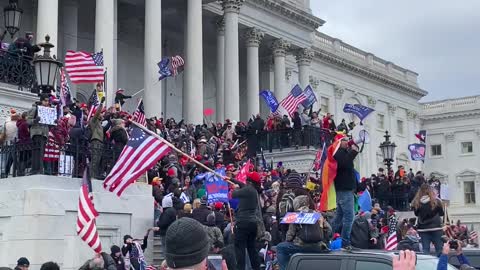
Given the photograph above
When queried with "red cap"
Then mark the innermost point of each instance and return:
(336, 235)
(218, 205)
(230, 167)
(83, 105)
(171, 172)
(254, 177)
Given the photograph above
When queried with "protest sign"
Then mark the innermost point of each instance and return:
(47, 115)
(300, 218)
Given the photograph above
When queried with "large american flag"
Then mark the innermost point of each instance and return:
(86, 227)
(141, 153)
(392, 234)
(139, 114)
(291, 102)
(83, 67)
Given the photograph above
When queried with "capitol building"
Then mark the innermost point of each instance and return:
(232, 50)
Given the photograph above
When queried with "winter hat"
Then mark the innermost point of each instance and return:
(185, 243)
(203, 200)
(211, 219)
(254, 177)
(294, 180)
(114, 249)
(126, 237)
(218, 205)
(167, 202)
(23, 262)
(171, 172)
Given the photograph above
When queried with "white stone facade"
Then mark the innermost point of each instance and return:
(453, 152)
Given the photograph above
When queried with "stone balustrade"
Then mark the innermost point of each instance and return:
(358, 56)
(451, 105)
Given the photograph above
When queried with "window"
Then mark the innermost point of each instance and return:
(366, 265)
(381, 121)
(436, 149)
(400, 127)
(467, 147)
(324, 104)
(469, 190)
(314, 263)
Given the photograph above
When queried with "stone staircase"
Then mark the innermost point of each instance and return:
(157, 254)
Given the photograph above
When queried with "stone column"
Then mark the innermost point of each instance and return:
(280, 48)
(106, 40)
(304, 59)
(220, 113)
(266, 81)
(231, 9)
(70, 32)
(152, 95)
(193, 94)
(47, 22)
(253, 38)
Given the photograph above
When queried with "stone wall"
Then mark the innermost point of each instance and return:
(38, 219)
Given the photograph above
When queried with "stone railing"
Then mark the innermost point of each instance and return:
(338, 47)
(451, 105)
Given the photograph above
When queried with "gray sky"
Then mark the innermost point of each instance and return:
(438, 39)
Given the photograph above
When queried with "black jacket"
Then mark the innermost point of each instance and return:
(200, 214)
(428, 218)
(345, 179)
(168, 216)
(247, 203)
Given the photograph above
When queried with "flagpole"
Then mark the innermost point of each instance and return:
(180, 152)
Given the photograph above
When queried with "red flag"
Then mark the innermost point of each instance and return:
(242, 175)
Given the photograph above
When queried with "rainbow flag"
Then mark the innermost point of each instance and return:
(328, 201)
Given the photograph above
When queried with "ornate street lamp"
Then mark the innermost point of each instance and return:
(46, 67)
(13, 16)
(388, 151)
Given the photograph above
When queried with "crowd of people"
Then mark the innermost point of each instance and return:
(191, 228)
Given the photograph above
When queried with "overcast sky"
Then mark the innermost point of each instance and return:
(438, 39)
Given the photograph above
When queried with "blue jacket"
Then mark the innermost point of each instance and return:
(443, 261)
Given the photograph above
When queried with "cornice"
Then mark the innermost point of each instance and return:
(450, 115)
(368, 73)
(295, 14)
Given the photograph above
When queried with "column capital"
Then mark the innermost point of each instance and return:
(304, 56)
(220, 24)
(339, 90)
(232, 5)
(280, 47)
(372, 102)
(314, 82)
(391, 108)
(411, 114)
(253, 37)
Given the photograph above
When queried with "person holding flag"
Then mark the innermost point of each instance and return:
(339, 184)
(96, 137)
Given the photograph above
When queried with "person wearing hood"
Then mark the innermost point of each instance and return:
(22, 264)
(363, 234)
(200, 214)
(213, 232)
(116, 254)
(429, 209)
(168, 216)
(23, 134)
(296, 241)
(119, 137)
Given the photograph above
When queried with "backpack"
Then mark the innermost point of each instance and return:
(310, 233)
(286, 203)
(88, 133)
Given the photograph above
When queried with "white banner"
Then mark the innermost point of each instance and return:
(47, 115)
(65, 165)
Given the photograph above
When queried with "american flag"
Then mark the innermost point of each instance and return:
(139, 114)
(320, 158)
(291, 102)
(86, 227)
(65, 95)
(392, 234)
(177, 62)
(473, 235)
(141, 153)
(93, 103)
(83, 67)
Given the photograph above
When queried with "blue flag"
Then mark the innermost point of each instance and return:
(417, 151)
(270, 100)
(311, 98)
(365, 201)
(357, 109)
(164, 69)
(216, 187)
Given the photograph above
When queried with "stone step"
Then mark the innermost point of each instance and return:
(157, 253)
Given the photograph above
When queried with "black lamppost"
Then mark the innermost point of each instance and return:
(13, 16)
(46, 67)
(388, 151)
